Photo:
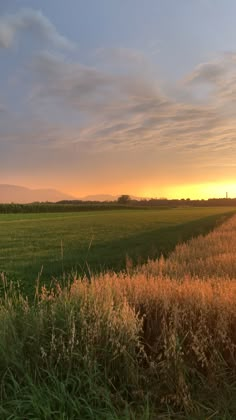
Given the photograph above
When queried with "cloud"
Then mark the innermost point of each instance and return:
(220, 75)
(129, 110)
(122, 56)
(74, 83)
(113, 111)
(87, 90)
(33, 21)
(208, 73)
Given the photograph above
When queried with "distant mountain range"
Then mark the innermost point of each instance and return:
(18, 194)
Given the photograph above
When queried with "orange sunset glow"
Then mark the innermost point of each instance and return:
(147, 110)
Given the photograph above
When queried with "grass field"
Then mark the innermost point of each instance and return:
(155, 342)
(57, 243)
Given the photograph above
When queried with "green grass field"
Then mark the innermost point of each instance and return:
(57, 243)
(154, 343)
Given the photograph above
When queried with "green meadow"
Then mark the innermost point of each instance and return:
(48, 245)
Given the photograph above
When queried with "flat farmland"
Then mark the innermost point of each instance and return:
(93, 241)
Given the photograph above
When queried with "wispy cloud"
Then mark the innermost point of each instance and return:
(208, 72)
(129, 110)
(75, 84)
(121, 55)
(33, 21)
(220, 76)
(91, 89)
(126, 108)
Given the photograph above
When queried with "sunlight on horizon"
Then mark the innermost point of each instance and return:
(194, 191)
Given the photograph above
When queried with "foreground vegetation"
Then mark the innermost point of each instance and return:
(158, 341)
(49, 244)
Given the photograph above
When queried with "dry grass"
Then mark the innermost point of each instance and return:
(187, 306)
(211, 256)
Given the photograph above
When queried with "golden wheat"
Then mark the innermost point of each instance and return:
(213, 256)
(186, 304)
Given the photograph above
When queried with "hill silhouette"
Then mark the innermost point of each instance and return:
(18, 194)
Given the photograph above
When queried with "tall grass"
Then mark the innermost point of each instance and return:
(213, 256)
(154, 342)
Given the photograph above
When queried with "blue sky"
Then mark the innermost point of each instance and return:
(119, 96)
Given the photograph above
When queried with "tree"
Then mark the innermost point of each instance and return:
(123, 199)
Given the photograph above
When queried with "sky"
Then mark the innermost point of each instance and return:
(119, 96)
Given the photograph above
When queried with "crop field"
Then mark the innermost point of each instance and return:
(155, 342)
(50, 244)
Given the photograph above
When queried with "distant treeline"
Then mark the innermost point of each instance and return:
(79, 205)
(74, 206)
(210, 202)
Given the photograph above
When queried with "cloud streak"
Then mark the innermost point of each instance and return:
(80, 111)
(32, 21)
(129, 110)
